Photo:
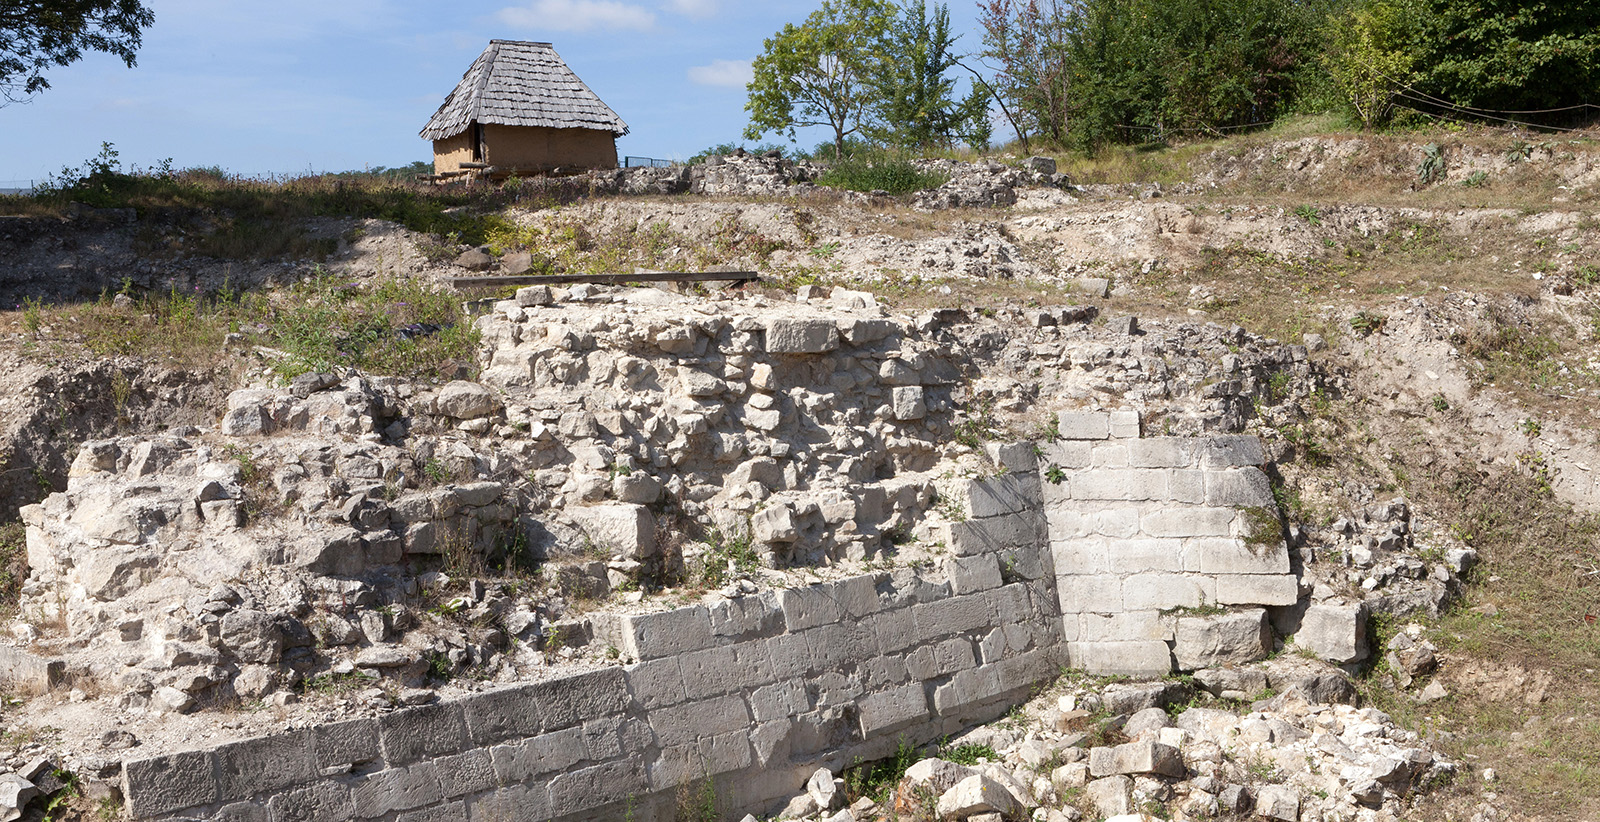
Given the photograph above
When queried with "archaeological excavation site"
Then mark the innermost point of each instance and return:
(1256, 487)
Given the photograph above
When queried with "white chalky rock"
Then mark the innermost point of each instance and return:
(1136, 758)
(1278, 802)
(775, 524)
(1111, 796)
(936, 775)
(974, 795)
(802, 336)
(908, 403)
(822, 789)
(1202, 642)
(622, 528)
(1337, 633)
(534, 295)
(464, 400)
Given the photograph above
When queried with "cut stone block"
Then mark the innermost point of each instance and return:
(1142, 659)
(890, 710)
(1161, 452)
(665, 633)
(802, 336)
(1144, 757)
(268, 763)
(1189, 522)
(1162, 592)
(1278, 802)
(622, 528)
(1083, 425)
(1112, 796)
(969, 575)
(977, 794)
(1257, 589)
(1240, 637)
(1125, 424)
(907, 403)
(1337, 633)
(1231, 451)
(1238, 488)
(991, 534)
(1227, 555)
(999, 496)
(152, 787)
(1120, 484)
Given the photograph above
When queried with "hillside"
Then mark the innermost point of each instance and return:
(265, 473)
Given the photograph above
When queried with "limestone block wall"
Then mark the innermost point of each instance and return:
(1149, 534)
(1099, 553)
(753, 692)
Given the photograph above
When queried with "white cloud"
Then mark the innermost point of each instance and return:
(693, 8)
(726, 73)
(578, 15)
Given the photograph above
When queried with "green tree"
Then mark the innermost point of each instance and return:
(975, 128)
(820, 73)
(1508, 55)
(915, 109)
(1370, 58)
(1025, 47)
(36, 35)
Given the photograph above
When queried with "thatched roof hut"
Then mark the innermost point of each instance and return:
(520, 110)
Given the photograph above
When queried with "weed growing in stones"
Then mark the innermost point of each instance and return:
(698, 801)
(728, 554)
(335, 684)
(1262, 531)
(1367, 323)
(977, 425)
(877, 780)
(968, 754)
(403, 328)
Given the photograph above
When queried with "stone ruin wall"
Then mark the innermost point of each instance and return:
(1103, 551)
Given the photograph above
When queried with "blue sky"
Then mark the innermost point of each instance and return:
(291, 86)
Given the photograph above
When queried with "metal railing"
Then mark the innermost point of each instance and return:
(645, 162)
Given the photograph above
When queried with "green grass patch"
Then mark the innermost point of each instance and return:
(893, 175)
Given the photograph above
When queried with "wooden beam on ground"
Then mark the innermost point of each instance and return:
(493, 281)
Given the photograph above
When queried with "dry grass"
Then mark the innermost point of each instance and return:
(400, 327)
(1539, 567)
(13, 566)
(208, 212)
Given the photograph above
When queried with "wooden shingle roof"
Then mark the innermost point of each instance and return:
(514, 83)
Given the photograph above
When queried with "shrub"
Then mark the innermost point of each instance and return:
(892, 175)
